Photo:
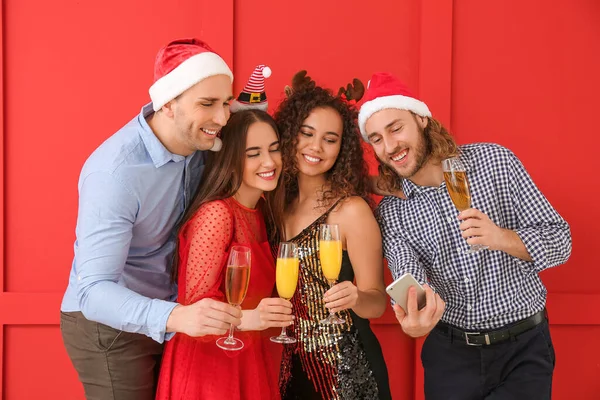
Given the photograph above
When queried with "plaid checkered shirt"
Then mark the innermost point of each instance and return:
(489, 289)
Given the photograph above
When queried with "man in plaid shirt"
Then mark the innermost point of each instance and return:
(489, 336)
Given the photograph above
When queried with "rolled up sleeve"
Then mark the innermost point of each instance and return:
(545, 234)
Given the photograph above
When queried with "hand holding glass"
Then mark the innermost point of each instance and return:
(330, 255)
(455, 175)
(286, 279)
(237, 278)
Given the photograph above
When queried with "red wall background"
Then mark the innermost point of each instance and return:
(522, 73)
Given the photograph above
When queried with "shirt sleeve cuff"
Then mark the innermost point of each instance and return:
(159, 314)
(535, 247)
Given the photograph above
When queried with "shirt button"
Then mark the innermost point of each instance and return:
(467, 280)
(78, 277)
(449, 219)
(469, 307)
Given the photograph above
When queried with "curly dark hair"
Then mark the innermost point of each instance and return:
(349, 175)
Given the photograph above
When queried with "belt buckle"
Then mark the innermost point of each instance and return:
(487, 338)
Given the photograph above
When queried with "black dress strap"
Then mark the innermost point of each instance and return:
(317, 221)
(330, 209)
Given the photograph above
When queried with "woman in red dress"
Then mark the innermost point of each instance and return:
(229, 210)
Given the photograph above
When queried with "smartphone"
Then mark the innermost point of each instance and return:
(398, 290)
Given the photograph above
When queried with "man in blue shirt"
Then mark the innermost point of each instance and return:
(488, 335)
(119, 305)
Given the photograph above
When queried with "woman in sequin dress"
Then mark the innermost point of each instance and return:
(227, 211)
(325, 180)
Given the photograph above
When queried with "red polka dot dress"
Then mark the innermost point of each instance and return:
(195, 368)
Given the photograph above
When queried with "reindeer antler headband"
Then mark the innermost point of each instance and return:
(302, 82)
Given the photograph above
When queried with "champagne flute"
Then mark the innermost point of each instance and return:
(457, 184)
(286, 278)
(330, 255)
(237, 277)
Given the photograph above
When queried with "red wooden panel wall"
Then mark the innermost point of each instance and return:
(520, 73)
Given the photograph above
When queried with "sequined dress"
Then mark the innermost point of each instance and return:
(195, 368)
(328, 361)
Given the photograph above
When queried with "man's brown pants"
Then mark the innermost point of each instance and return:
(112, 364)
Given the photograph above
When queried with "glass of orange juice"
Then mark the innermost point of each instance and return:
(330, 256)
(286, 280)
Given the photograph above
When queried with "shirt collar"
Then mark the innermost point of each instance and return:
(408, 187)
(466, 160)
(157, 151)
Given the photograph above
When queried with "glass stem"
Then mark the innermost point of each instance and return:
(283, 331)
(331, 284)
(230, 337)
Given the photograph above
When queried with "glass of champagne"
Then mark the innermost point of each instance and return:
(286, 278)
(457, 184)
(330, 255)
(237, 277)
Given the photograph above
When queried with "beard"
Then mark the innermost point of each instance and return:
(193, 138)
(420, 153)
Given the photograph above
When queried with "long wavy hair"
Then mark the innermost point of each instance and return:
(224, 170)
(439, 144)
(349, 174)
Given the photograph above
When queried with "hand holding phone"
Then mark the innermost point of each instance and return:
(398, 290)
(418, 317)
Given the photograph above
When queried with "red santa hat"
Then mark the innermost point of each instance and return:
(253, 96)
(386, 91)
(180, 65)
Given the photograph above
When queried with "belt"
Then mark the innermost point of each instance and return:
(491, 337)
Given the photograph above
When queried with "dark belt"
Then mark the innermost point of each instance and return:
(491, 337)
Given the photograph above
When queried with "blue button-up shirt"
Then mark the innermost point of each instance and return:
(488, 289)
(132, 192)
